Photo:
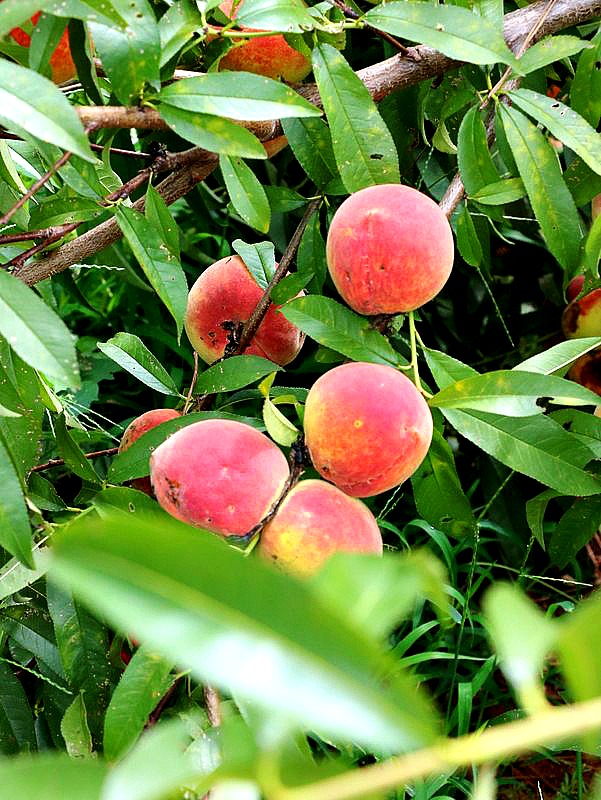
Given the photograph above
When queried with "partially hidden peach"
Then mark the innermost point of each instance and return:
(227, 293)
(139, 426)
(367, 427)
(314, 521)
(586, 371)
(270, 56)
(574, 288)
(596, 206)
(389, 249)
(62, 67)
(583, 317)
(217, 474)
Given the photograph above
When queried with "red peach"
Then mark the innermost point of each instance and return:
(574, 288)
(583, 317)
(226, 292)
(271, 56)
(314, 521)
(586, 371)
(61, 63)
(596, 206)
(367, 427)
(139, 426)
(218, 474)
(389, 249)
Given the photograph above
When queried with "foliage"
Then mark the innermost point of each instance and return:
(118, 624)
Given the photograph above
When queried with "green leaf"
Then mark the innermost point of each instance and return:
(574, 530)
(128, 501)
(311, 143)
(75, 731)
(15, 12)
(536, 446)
(242, 626)
(468, 243)
(592, 250)
(233, 373)
(535, 513)
(558, 357)
(523, 637)
(145, 680)
(566, 125)
(14, 576)
(446, 369)
(495, 194)
(15, 532)
(237, 95)
(473, 156)
(160, 266)
(246, 193)
(130, 57)
(377, 593)
(585, 91)
(45, 37)
(363, 146)
(31, 105)
(455, 31)
(287, 16)
(131, 353)
(16, 718)
(577, 645)
(551, 201)
(439, 498)
(550, 49)
(51, 776)
(35, 332)
(259, 259)
(279, 427)
(311, 256)
(583, 425)
(216, 134)
(133, 462)
(512, 392)
(176, 27)
(72, 452)
(334, 326)
(83, 646)
(157, 213)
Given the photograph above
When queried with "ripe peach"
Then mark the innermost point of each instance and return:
(271, 56)
(314, 521)
(586, 371)
(367, 427)
(226, 292)
(574, 288)
(596, 206)
(139, 426)
(583, 317)
(61, 64)
(218, 474)
(389, 249)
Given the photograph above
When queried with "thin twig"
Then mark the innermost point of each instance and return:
(352, 14)
(59, 462)
(213, 706)
(44, 233)
(35, 187)
(255, 319)
(188, 402)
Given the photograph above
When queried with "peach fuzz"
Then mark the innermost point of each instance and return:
(62, 67)
(227, 292)
(389, 249)
(367, 427)
(314, 521)
(583, 317)
(218, 474)
(270, 56)
(586, 371)
(138, 427)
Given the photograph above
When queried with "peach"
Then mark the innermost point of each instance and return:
(314, 521)
(583, 317)
(139, 426)
(574, 288)
(62, 67)
(596, 206)
(586, 371)
(389, 249)
(217, 474)
(367, 427)
(226, 293)
(270, 56)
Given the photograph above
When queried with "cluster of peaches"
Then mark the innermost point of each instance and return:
(367, 427)
(581, 318)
